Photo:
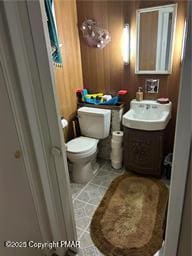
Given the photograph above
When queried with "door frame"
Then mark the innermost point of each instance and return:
(182, 147)
(30, 84)
(39, 39)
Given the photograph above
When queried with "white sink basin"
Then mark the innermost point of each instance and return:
(147, 115)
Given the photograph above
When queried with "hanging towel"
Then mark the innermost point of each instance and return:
(56, 55)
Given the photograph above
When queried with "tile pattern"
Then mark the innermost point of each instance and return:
(86, 198)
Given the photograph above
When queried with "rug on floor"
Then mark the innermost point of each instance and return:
(130, 218)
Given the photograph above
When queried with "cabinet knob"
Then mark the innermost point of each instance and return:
(17, 154)
(56, 151)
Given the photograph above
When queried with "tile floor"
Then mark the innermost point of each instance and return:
(86, 198)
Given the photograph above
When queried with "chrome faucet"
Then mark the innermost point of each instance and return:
(148, 106)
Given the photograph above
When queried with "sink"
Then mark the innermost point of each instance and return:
(148, 115)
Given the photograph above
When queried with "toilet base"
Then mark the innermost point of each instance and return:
(83, 169)
(82, 173)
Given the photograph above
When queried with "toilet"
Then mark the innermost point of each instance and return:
(82, 151)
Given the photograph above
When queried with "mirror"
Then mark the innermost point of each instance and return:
(155, 37)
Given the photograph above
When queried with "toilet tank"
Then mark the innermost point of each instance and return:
(94, 122)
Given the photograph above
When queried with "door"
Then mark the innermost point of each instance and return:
(18, 217)
(27, 65)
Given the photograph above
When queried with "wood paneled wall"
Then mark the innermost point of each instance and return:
(69, 77)
(104, 70)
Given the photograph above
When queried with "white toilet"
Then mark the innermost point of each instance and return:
(94, 125)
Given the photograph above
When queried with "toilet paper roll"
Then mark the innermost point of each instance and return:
(116, 165)
(117, 151)
(116, 158)
(117, 136)
(64, 122)
(117, 154)
(116, 144)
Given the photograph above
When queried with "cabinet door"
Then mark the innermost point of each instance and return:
(143, 151)
(155, 38)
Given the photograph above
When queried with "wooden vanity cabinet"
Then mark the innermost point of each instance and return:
(144, 151)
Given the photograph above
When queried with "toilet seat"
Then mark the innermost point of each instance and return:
(82, 145)
(80, 156)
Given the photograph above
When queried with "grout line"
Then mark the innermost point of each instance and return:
(84, 230)
(101, 186)
(100, 169)
(94, 184)
(81, 234)
(81, 190)
(77, 195)
(87, 227)
(97, 185)
(86, 202)
(86, 184)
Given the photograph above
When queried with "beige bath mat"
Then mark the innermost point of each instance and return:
(130, 218)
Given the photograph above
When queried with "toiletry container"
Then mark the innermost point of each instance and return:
(139, 94)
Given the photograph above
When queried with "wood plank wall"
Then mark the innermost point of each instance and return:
(69, 77)
(104, 71)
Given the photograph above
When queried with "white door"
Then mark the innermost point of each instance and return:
(27, 65)
(18, 217)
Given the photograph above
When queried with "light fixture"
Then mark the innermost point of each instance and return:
(106, 36)
(94, 35)
(125, 44)
(183, 41)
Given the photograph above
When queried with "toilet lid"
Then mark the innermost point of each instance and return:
(81, 145)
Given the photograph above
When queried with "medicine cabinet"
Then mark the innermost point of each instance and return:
(155, 39)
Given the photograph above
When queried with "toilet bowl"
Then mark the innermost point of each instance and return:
(81, 152)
